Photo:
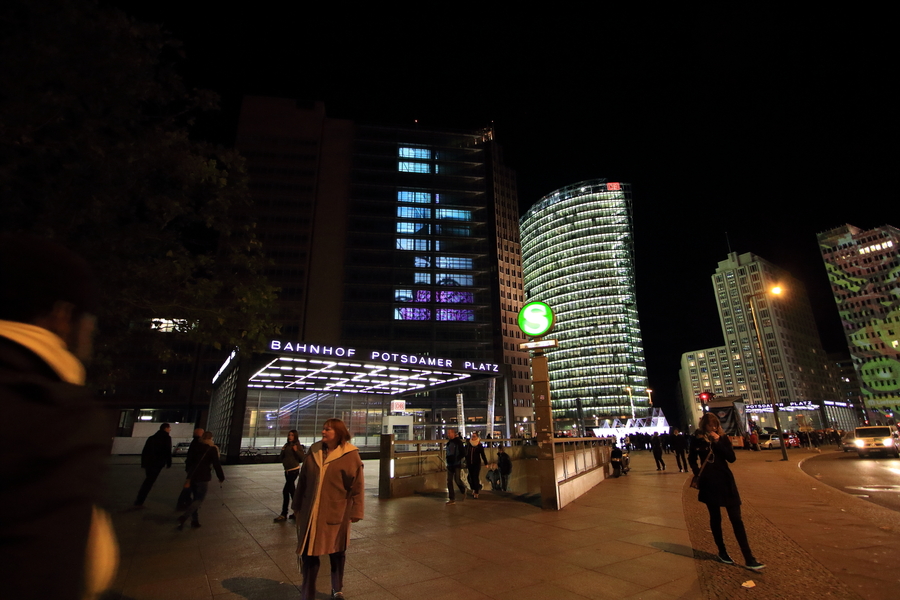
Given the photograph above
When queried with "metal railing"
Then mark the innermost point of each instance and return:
(575, 456)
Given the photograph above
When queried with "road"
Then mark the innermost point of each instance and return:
(874, 479)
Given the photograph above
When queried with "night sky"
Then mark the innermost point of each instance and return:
(761, 129)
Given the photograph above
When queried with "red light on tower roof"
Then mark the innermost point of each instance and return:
(614, 186)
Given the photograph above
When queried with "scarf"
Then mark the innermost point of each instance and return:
(48, 346)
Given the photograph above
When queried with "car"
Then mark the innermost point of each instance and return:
(767, 442)
(181, 449)
(792, 441)
(848, 443)
(876, 439)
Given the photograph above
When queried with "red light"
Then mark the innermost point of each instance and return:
(704, 397)
(613, 187)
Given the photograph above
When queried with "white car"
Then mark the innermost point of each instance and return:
(876, 439)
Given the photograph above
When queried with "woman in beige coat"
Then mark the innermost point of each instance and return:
(329, 497)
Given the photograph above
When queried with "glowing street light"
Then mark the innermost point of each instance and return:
(763, 366)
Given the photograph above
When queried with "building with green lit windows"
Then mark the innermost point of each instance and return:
(577, 256)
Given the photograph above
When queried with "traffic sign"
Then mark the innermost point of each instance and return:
(536, 319)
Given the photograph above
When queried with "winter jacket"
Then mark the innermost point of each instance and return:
(292, 456)
(473, 452)
(157, 451)
(47, 489)
(717, 485)
(455, 453)
(200, 461)
(330, 492)
(504, 463)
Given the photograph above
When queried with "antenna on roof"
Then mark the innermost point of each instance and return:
(728, 241)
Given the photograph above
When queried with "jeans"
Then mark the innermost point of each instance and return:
(198, 489)
(737, 524)
(288, 492)
(453, 474)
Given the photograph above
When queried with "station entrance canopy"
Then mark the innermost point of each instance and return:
(340, 369)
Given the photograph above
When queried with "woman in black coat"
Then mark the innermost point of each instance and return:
(474, 459)
(713, 449)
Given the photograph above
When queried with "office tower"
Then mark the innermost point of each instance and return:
(577, 256)
(803, 380)
(398, 239)
(863, 268)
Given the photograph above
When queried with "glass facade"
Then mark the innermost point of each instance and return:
(577, 256)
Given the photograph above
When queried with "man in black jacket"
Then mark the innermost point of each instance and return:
(184, 498)
(200, 462)
(455, 452)
(49, 491)
(156, 455)
(504, 464)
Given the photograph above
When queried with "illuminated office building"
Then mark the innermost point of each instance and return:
(863, 267)
(577, 256)
(401, 240)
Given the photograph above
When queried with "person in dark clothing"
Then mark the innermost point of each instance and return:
(291, 459)
(679, 447)
(474, 458)
(56, 543)
(204, 458)
(156, 455)
(184, 498)
(713, 448)
(615, 457)
(455, 452)
(656, 447)
(504, 465)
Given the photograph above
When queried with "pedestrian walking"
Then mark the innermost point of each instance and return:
(680, 446)
(204, 459)
(717, 488)
(157, 454)
(291, 459)
(474, 458)
(656, 447)
(504, 465)
(184, 498)
(454, 454)
(329, 497)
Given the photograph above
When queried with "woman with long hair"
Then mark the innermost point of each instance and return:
(329, 497)
(291, 459)
(712, 448)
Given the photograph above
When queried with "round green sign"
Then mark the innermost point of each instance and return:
(535, 319)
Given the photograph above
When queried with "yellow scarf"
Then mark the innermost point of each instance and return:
(47, 345)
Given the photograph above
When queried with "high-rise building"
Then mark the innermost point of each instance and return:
(863, 267)
(403, 240)
(578, 257)
(803, 379)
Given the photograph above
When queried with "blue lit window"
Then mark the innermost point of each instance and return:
(420, 277)
(417, 197)
(452, 262)
(413, 212)
(415, 153)
(409, 227)
(453, 279)
(412, 244)
(459, 230)
(403, 295)
(413, 167)
(453, 215)
(422, 262)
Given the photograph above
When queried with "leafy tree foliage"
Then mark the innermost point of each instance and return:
(95, 153)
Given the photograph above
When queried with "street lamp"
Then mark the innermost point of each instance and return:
(765, 372)
(650, 397)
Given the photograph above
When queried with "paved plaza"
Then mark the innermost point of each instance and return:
(640, 536)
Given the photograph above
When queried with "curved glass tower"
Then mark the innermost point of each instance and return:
(577, 256)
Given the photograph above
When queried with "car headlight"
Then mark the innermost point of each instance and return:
(887, 442)
(860, 443)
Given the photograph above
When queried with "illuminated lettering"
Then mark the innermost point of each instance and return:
(275, 345)
(468, 365)
(535, 319)
(327, 350)
(288, 347)
(374, 356)
(313, 349)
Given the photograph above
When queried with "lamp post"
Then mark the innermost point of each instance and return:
(762, 364)
(650, 397)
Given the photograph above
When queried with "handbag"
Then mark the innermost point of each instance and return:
(695, 480)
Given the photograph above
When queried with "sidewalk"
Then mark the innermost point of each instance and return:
(638, 536)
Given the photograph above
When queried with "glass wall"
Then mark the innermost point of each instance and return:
(270, 414)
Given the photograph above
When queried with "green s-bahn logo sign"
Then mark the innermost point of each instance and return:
(535, 319)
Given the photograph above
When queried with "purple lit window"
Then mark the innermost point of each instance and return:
(412, 314)
(455, 297)
(452, 314)
(423, 295)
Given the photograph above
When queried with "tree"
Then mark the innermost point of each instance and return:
(95, 153)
